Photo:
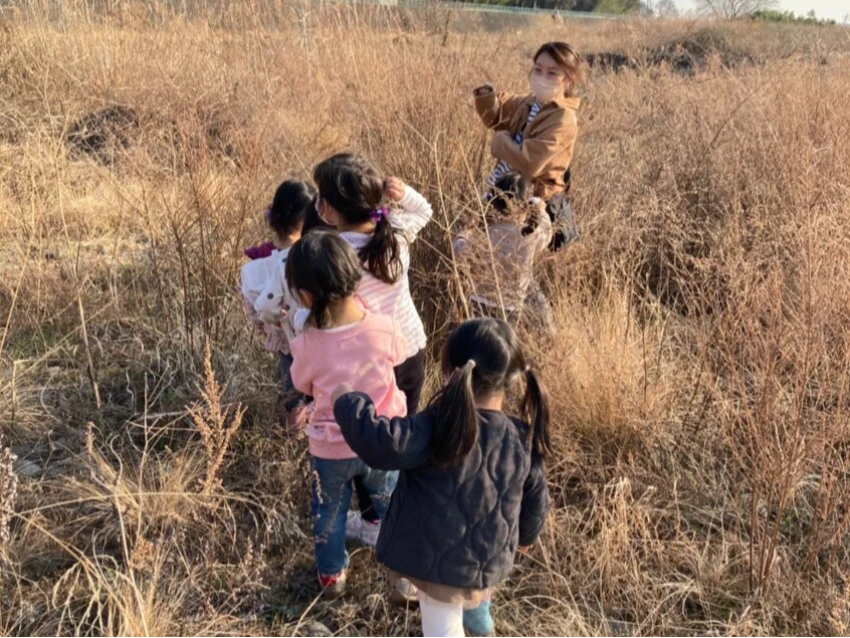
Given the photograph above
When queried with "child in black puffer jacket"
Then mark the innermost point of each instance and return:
(472, 487)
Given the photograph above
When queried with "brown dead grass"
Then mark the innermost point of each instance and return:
(699, 372)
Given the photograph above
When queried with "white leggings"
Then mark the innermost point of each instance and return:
(439, 618)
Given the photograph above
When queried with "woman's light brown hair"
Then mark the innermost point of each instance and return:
(568, 59)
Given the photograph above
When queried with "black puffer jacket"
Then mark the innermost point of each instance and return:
(458, 526)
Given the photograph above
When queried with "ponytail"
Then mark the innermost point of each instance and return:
(382, 255)
(292, 202)
(456, 420)
(320, 313)
(483, 357)
(535, 407)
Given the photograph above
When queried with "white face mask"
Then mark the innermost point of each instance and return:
(319, 208)
(545, 90)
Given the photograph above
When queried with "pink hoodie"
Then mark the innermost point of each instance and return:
(362, 355)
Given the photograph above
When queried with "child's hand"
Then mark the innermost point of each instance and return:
(394, 189)
(481, 91)
(341, 389)
(525, 550)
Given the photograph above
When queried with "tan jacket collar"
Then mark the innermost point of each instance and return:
(568, 103)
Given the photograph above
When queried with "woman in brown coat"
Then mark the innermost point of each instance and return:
(536, 133)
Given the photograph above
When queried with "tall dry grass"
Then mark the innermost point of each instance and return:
(699, 372)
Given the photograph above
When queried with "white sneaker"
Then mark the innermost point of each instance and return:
(364, 531)
(403, 593)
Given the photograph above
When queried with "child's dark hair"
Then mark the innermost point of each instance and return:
(291, 204)
(353, 187)
(481, 357)
(511, 195)
(509, 190)
(325, 265)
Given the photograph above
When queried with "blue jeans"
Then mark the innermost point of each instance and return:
(332, 499)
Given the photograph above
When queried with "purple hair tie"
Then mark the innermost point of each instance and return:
(267, 214)
(380, 213)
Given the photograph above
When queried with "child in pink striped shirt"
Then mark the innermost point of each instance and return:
(342, 342)
(351, 198)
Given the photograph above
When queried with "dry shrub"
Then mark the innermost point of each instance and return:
(153, 493)
(121, 604)
(216, 423)
(781, 356)
(623, 522)
(687, 46)
(8, 493)
(613, 380)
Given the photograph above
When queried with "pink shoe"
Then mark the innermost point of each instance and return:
(333, 585)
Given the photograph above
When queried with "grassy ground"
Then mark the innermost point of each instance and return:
(699, 374)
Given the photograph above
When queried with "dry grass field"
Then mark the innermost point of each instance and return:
(700, 373)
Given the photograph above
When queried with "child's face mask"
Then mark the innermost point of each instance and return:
(322, 210)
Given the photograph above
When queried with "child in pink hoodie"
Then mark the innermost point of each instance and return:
(341, 343)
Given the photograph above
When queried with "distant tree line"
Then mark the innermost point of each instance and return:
(660, 8)
(770, 15)
(601, 6)
(761, 10)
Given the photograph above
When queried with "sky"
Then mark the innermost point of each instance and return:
(835, 9)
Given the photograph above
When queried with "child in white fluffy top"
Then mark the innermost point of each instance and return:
(265, 298)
